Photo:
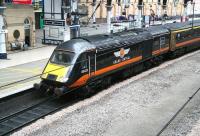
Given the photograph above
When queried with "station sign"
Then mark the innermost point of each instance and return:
(54, 22)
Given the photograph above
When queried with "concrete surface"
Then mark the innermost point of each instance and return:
(15, 74)
(27, 56)
(187, 122)
(139, 106)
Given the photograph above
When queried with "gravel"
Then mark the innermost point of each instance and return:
(137, 106)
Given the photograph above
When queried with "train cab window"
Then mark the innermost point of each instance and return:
(84, 61)
(62, 57)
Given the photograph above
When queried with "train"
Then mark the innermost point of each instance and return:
(94, 61)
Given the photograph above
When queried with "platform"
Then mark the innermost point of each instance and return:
(11, 75)
(18, 58)
(20, 66)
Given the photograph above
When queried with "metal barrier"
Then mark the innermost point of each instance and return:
(121, 26)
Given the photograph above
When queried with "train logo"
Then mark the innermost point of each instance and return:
(122, 52)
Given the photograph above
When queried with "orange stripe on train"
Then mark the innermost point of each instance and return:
(187, 42)
(160, 51)
(82, 80)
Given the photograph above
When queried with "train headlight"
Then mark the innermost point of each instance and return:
(63, 79)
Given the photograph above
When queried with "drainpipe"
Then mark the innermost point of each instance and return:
(139, 19)
(109, 9)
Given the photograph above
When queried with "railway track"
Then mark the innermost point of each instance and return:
(177, 113)
(28, 115)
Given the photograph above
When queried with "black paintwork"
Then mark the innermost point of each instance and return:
(141, 42)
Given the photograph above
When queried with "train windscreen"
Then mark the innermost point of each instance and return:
(62, 58)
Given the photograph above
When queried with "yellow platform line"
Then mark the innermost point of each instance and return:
(32, 71)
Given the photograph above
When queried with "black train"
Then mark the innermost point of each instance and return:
(96, 60)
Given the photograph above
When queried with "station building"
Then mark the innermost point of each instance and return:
(173, 7)
(20, 23)
(55, 13)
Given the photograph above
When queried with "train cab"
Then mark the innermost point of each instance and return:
(65, 66)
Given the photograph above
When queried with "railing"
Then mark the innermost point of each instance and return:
(123, 25)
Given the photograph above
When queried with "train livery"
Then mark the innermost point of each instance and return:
(93, 61)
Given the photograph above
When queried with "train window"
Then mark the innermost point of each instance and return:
(178, 36)
(84, 61)
(197, 32)
(162, 40)
(100, 60)
(136, 51)
(156, 44)
(62, 57)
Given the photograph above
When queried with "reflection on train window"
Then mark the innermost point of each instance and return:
(156, 44)
(62, 57)
(162, 40)
(135, 51)
(178, 36)
(184, 36)
(84, 61)
(197, 32)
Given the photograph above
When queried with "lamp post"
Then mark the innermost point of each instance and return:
(109, 10)
(139, 19)
(193, 4)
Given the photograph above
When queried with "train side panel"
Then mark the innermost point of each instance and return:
(160, 44)
(185, 38)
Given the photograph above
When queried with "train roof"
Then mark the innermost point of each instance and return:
(105, 42)
(180, 26)
(130, 37)
(76, 46)
(116, 40)
(157, 30)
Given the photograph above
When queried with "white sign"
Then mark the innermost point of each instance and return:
(2, 37)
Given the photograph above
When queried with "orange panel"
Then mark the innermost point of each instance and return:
(187, 42)
(160, 51)
(82, 80)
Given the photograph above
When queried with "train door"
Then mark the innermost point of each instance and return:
(164, 42)
(147, 48)
(173, 40)
(92, 63)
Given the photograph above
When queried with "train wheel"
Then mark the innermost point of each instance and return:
(86, 91)
(106, 82)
